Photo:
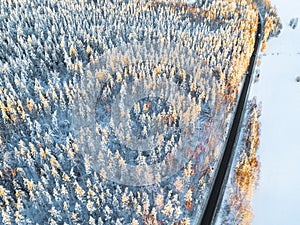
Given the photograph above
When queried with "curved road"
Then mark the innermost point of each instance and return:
(221, 177)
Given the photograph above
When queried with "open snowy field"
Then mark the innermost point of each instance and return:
(277, 198)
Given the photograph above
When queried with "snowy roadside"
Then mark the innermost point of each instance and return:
(277, 196)
(243, 174)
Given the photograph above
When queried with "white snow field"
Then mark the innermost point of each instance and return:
(277, 198)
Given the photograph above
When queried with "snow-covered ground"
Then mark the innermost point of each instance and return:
(277, 198)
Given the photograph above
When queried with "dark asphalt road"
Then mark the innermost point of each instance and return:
(225, 164)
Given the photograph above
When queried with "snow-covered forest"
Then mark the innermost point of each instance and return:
(116, 112)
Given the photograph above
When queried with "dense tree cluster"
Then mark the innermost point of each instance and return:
(272, 23)
(59, 58)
